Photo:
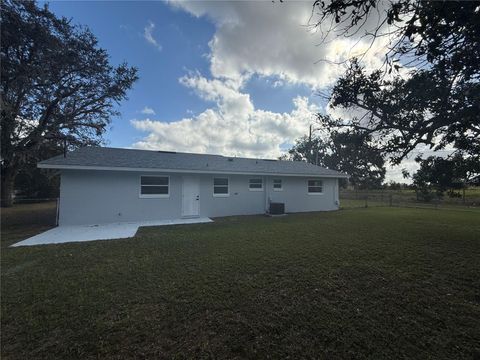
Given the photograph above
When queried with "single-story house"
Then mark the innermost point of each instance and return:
(108, 185)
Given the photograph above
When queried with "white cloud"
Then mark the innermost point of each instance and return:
(148, 111)
(274, 39)
(395, 172)
(148, 35)
(232, 127)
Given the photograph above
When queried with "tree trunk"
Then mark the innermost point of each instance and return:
(8, 178)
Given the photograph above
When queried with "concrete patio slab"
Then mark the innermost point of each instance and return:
(66, 234)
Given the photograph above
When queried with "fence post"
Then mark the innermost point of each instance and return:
(57, 212)
(390, 199)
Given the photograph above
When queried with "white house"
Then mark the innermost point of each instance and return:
(105, 185)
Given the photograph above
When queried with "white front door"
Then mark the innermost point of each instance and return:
(190, 196)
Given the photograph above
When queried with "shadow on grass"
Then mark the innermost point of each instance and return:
(366, 283)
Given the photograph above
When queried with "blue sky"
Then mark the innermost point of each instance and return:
(119, 27)
(183, 47)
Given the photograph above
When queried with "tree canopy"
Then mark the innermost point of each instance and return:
(347, 152)
(439, 175)
(437, 102)
(56, 84)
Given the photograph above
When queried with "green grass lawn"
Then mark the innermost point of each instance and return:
(362, 283)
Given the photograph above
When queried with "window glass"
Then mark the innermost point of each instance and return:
(220, 181)
(256, 184)
(154, 180)
(152, 190)
(277, 184)
(315, 186)
(154, 185)
(220, 186)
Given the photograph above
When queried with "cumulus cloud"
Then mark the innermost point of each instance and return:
(148, 111)
(276, 39)
(394, 173)
(148, 35)
(232, 127)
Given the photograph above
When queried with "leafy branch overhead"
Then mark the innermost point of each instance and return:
(428, 90)
(56, 83)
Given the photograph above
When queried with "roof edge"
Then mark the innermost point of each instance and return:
(115, 168)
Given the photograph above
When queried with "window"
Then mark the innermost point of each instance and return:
(255, 185)
(220, 187)
(315, 186)
(277, 185)
(154, 186)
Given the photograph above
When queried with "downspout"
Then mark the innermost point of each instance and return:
(336, 194)
(266, 194)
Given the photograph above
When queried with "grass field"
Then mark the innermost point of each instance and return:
(361, 283)
(23, 221)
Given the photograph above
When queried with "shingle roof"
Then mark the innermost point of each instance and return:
(141, 160)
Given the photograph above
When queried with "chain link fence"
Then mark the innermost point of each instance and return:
(406, 198)
(20, 200)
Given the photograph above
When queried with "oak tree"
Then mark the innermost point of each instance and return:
(348, 152)
(427, 92)
(56, 84)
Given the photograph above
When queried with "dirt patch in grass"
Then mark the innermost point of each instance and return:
(364, 283)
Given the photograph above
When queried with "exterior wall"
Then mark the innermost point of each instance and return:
(96, 197)
(241, 201)
(296, 198)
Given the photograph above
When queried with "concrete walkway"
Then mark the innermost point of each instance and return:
(66, 234)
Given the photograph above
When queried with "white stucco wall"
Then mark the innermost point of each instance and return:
(96, 197)
(296, 198)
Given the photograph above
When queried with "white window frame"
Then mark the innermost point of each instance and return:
(228, 186)
(153, 196)
(308, 187)
(281, 185)
(255, 189)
